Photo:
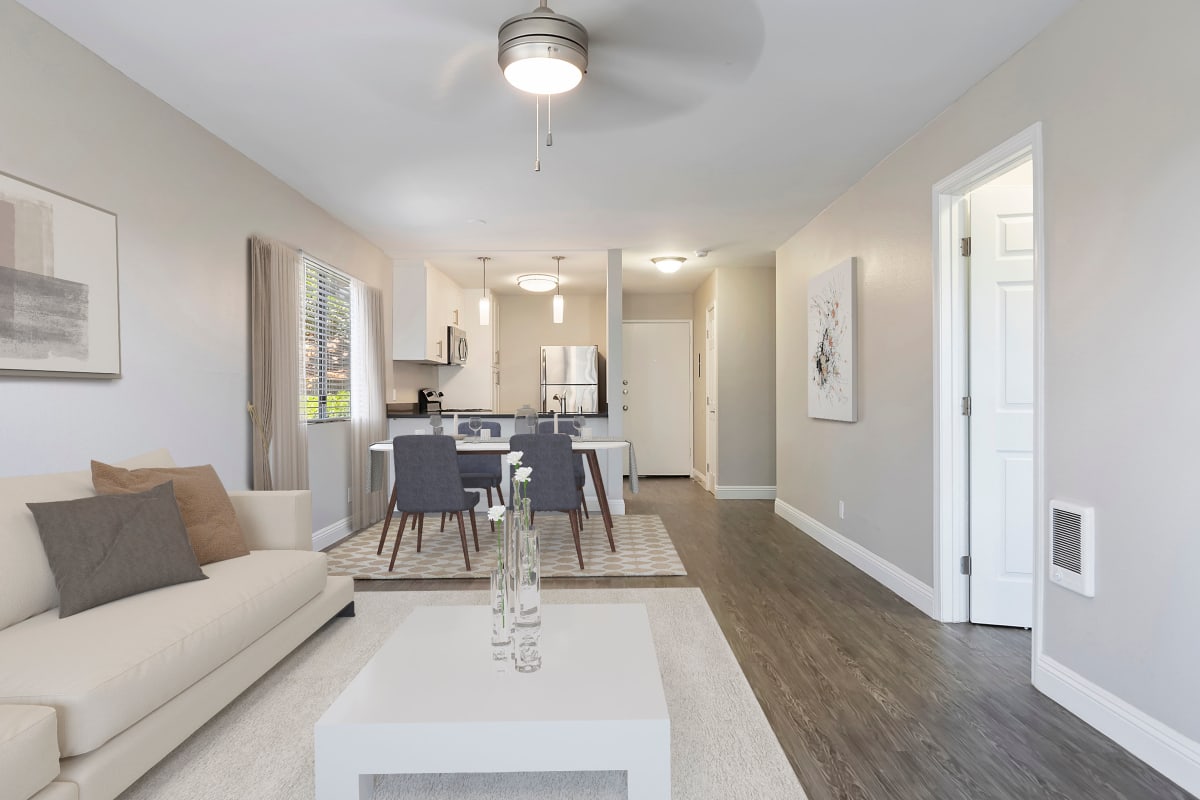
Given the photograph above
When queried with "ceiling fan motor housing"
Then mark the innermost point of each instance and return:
(528, 35)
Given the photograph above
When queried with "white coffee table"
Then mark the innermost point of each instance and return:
(431, 701)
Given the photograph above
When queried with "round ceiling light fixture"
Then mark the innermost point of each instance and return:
(542, 52)
(668, 264)
(537, 282)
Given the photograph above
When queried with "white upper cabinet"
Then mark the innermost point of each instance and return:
(424, 304)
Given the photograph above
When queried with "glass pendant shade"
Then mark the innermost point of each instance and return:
(558, 309)
(485, 311)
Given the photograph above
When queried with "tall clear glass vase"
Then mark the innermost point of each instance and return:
(527, 566)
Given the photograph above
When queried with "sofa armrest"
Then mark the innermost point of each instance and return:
(28, 750)
(275, 520)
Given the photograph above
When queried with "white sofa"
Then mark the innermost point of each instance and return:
(89, 703)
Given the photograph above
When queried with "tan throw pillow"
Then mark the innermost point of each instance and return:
(207, 511)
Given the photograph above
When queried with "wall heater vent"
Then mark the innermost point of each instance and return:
(1073, 547)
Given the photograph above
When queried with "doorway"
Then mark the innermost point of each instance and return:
(656, 394)
(710, 398)
(989, 496)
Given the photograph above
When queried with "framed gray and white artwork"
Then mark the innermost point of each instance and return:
(59, 309)
(831, 310)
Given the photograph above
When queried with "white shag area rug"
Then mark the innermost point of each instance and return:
(261, 746)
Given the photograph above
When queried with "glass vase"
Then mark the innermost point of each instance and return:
(527, 626)
(501, 620)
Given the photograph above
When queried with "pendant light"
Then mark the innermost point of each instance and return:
(485, 305)
(558, 298)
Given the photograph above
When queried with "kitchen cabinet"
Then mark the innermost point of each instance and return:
(424, 303)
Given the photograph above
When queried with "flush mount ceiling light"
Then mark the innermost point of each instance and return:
(537, 282)
(542, 53)
(668, 264)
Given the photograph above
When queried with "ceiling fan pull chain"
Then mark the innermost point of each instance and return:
(537, 133)
(549, 133)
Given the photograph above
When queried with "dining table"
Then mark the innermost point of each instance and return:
(498, 445)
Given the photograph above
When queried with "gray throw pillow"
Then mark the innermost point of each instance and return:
(104, 548)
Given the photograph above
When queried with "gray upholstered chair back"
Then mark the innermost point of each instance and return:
(552, 485)
(427, 477)
(565, 425)
(480, 464)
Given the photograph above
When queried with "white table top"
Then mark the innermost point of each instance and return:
(501, 443)
(598, 663)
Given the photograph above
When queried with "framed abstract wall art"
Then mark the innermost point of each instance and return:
(831, 311)
(59, 304)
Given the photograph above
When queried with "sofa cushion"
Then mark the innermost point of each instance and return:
(108, 667)
(104, 548)
(212, 524)
(28, 750)
(26, 583)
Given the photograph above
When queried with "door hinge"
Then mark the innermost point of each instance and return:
(966, 246)
(965, 565)
(966, 406)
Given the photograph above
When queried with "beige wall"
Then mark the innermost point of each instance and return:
(526, 323)
(185, 204)
(746, 377)
(1113, 83)
(704, 296)
(657, 306)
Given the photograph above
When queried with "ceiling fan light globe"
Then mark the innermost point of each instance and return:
(543, 75)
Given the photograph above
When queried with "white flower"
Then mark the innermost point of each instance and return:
(514, 458)
(496, 513)
(521, 475)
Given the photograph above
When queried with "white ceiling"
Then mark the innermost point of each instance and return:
(722, 126)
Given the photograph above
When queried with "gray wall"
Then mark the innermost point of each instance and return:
(329, 472)
(745, 376)
(185, 205)
(1113, 83)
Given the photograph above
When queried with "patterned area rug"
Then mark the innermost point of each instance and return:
(643, 548)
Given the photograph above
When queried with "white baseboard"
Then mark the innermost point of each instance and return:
(331, 534)
(1163, 748)
(744, 492)
(698, 476)
(615, 506)
(909, 588)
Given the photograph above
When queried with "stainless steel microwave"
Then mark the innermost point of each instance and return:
(456, 353)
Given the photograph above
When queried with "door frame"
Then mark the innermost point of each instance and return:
(951, 588)
(711, 421)
(691, 404)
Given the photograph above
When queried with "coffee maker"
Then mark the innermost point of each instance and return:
(429, 401)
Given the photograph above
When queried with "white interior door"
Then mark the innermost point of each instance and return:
(710, 398)
(657, 395)
(1001, 391)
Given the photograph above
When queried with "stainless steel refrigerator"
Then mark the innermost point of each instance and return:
(570, 379)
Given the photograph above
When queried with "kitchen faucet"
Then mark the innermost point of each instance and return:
(562, 403)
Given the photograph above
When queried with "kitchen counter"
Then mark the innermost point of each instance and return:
(463, 416)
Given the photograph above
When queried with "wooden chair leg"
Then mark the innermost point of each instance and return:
(462, 535)
(583, 502)
(396, 546)
(490, 523)
(443, 528)
(474, 530)
(388, 521)
(612, 545)
(531, 513)
(414, 522)
(500, 493)
(575, 523)
(420, 530)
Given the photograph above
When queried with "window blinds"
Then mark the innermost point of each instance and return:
(326, 342)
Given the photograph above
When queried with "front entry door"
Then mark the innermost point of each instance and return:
(657, 393)
(1001, 413)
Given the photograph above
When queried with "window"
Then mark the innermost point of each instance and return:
(326, 343)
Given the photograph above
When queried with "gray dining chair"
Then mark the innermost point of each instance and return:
(552, 484)
(567, 426)
(481, 471)
(428, 482)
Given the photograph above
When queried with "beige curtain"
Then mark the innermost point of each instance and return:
(368, 400)
(277, 366)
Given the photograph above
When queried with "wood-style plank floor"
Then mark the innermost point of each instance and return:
(868, 696)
